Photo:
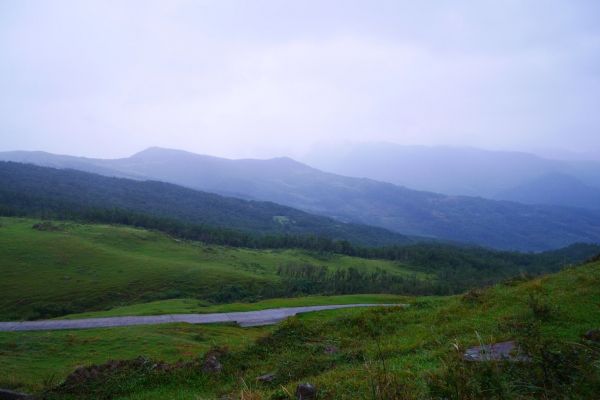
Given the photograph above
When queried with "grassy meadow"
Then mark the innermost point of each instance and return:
(79, 271)
(404, 353)
(30, 361)
(84, 267)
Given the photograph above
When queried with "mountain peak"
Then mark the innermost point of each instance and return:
(155, 150)
(286, 161)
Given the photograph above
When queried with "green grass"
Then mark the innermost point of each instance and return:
(32, 360)
(386, 353)
(83, 267)
(399, 352)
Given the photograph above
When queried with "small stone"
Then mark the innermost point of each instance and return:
(306, 391)
(266, 378)
(503, 351)
(212, 364)
(212, 361)
(330, 349)
(593, 335)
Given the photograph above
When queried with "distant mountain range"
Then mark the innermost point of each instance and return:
(497, 175)
(497, 224)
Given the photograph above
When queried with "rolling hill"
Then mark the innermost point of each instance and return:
(84, 267)
(77, 267)
(28, 189)
(497, 224)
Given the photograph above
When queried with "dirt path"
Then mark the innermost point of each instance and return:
(249, 318)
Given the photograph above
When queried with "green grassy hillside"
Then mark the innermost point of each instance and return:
(70, 268)
(392, 353)
(51, 269)
(39, 358)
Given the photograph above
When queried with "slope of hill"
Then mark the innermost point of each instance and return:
(65, 267)
(497, 224)
(58, 268)
(28, 187)
(408, 353)
(562, 189)
(465, 171)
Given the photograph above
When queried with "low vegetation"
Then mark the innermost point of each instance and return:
(70, 269)
(387, 353)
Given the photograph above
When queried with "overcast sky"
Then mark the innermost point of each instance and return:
(256, 78)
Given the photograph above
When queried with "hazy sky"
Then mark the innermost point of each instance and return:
(266, 78)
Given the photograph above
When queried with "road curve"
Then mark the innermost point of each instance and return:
(249, 318)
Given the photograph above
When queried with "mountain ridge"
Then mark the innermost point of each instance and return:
(451, 170)
(41, 188)
(497, 224)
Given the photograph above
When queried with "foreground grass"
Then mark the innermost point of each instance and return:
(81, 268)
(31, 361)
(384, 353)
(38, 359)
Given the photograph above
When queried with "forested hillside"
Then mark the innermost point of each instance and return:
(498, 224)
(31, 190)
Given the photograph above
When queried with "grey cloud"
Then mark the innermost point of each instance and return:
(268, 78)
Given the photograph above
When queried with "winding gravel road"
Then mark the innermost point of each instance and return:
(249, 318)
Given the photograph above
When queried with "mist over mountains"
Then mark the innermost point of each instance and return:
(499, 175)
(496, 224)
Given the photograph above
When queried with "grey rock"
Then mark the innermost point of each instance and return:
(212, 364)
(266, 378)
(593, 335)
(306, 391)
(503, 351)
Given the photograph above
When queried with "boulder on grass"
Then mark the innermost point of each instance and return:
(306, 391)
(212, 363)
(503, 351)
(593, 335)
(330, 349)
(266, 378)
